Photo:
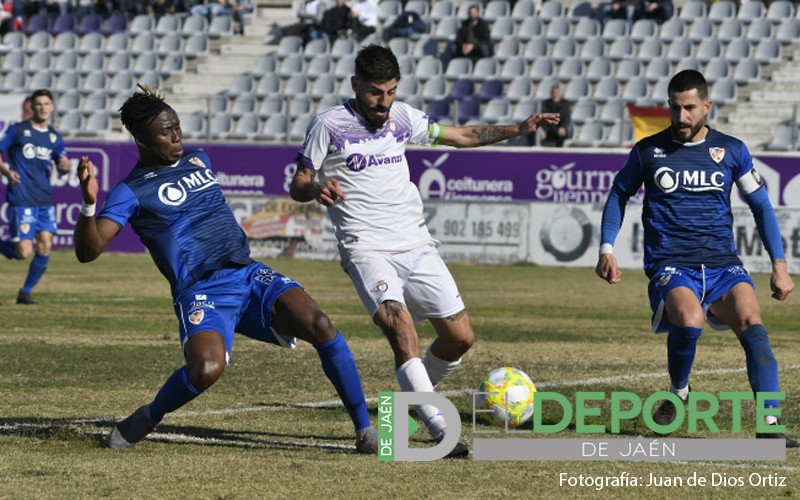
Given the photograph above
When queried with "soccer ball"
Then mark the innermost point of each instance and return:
(508, 394)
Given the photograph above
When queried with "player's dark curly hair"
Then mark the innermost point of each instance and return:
(377, 64)
(141, 108)
(689, 79)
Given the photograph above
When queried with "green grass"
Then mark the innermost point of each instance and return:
(104, 338)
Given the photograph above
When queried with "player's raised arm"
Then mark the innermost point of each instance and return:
(481, 135)
(92, 235)
(62, 165)
(304, 188)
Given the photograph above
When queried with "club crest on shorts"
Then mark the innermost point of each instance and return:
(196, 317)
(25, 228)
(382, 286)
(662, 281)
(717, 154)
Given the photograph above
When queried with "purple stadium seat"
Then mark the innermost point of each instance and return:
(64, 22)
(115, 24)
(36, 23)
(439, 110)
(461, 90)
(468, 109)
(491, 89)
(89, 24)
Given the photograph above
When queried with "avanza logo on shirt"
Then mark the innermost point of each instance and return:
(358, 162)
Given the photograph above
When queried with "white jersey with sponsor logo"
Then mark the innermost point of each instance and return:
(383, 210)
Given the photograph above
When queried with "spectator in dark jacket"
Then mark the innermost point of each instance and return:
(473, 39)
(407, 24)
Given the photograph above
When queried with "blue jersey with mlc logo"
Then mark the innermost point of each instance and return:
(687, 212)
(31, 152)
(182, 218)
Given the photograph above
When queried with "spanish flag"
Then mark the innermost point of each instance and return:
(647, 120)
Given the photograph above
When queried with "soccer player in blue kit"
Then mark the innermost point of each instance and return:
(690, 256)
(175, 204)
(32, 146)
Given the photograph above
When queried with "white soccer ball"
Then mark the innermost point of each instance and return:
(508, 395)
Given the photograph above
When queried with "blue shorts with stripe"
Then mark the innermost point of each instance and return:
(24, 222)
(708, 285)
(234, 300)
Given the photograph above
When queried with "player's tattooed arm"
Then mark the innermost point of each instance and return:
(481, 135)
(487, 134)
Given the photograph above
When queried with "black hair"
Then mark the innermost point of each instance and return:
(377, 64)
(41, 93)
(688, 79)
(141, 108)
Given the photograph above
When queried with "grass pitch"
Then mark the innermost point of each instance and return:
(104, 338)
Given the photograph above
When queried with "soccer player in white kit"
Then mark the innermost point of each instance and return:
(353, 162)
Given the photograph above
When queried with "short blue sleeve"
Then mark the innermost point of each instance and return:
(120, 205)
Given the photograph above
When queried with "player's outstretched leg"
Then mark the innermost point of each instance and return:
(762, 371)
(175, 393)
(35, 271)
(340, 367)
(681, 349)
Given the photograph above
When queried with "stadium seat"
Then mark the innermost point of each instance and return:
(427, 45)
(421, 7)
(709, 49)
(143, 43)
(91, 42)
(328, 101)
(651, 49)
(220, 126)
(543, 90)
(672, 29)
(621, 49)
(780, 10)
(507, 48)
(606, 89)
(613, 111)
(659, 94)
(274, 128)
(66, 61)
(593, 48)
(589, 135)
(783, 140)
(467, 109)
(721, 10)
(530, 27)
(768, 51)
(316, 47)
(94, 102)
(272, 105)
(657, 68)
(343, 47)
(149, 78)
(166, 24)
(635, 91)
(536, 48)
(37, 23)
(558, 28)
(620, 134)
(193, 24)
(89, 23)
(644, 29)
(39, 42)
(564, 48)
(38, 62)
(615, 29)
(577, 88)
(323, 86)
(296, 86)
(94, 61)
(496, 9)
(428, 67)
(522, 10)
(170, 43)
(599, 68)
(121, 61)
(578, 10)
(519, 89)
(583, 111)
(434, 89)
(291, 65)
(441, 9)
(719, 69)
(122, 83)
(486, 68)
(693, 9)
(497, 110)
(746, 71)
(788, 31)
(541, 69)
(571, 68)
(42, 79)
(269, 84)
(524, 108)
(145, 63)
(737, 50)
(299, 105)
(241, 84)
(400, 46)
(94, 82)
(247, 127)
(752, 10)
(687, 64)
(116, 23)
(502, 28)
(586, 28)
(408, 86)
(173, 64)
(679, 49)
(14, 60)
(98, 123)
(68, 101)
(723, 92)
(67, 81)
(321, 64)
(551, 9)
(265, 64)
(193, 126)
(389, 9)
(461, 89)
(297, 131)
(116, 43)
(142, 23)
(759, 29)
(512, 68)
(67, 40)
(289, 45)
(458, 68)
(701, 29)
(242, 104)
(70, 123)
(729, 29)
(440, 110)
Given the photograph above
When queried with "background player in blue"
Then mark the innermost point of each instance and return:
(690, 256)
(32, 146)
(175, 204)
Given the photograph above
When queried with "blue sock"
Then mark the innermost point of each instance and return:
(762, 367)
(8, 249)
(176, 392)
(35, 271)
(681, 348)
(340, 367)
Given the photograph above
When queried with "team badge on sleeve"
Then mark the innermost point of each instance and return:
(197, 162)
(717, 154)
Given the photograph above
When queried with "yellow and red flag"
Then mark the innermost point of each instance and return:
(647, 120)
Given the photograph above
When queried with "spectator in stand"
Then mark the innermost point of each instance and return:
(212, 8)
(335, 21)
(657, 10)
(473, 39)
(27, 109)
(240, 9)
(364, 18)
(101, 7)
(406, 25)
(629, 10)
(555, 133)
(309, 15)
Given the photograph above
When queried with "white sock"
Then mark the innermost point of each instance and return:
(770, 419)
(682, 393)
(413, 377)
(438, 369)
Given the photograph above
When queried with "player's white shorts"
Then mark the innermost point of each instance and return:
(418, 278)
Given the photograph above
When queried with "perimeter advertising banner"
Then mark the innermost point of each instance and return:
(564, 191)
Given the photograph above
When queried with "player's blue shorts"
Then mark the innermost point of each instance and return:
(708, 285)
(25, 222)
(234, 300)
